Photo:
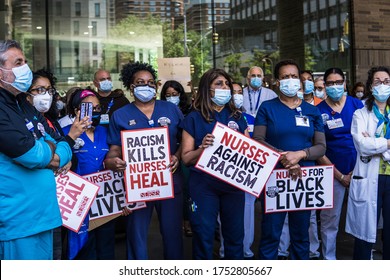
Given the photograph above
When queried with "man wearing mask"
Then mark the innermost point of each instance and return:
(30, 155)
(110, 100)
(254, 95)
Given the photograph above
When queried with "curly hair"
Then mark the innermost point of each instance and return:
(128, 71)
(370, 79)
(203, 102)
(43, 73)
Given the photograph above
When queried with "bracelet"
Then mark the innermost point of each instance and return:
(341, 177)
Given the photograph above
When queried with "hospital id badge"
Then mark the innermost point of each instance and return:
(104, 119)
(250, 128)
(302, 121)
(335, 123)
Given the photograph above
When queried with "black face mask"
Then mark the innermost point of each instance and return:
(95, 119)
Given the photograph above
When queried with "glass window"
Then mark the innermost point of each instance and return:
(94, 28)
(76, 28)
(94, 48)
(97, 9)
(58, 8)
(77, 9)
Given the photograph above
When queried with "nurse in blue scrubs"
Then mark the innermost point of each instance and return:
(209, 195)
(147, 112)
(295, 129)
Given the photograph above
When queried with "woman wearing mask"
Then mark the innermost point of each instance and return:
(210, 196)
(369, 192)
(172, 91)
(147, 112)
(337, 112)
(90, 154)
(359, 91)
(289, 115)
(319, 88)
(40, 95)
(308, 88)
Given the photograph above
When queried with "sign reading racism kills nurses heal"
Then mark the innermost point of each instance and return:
(313, 191)
(147, 174)
(111, 198)
(75, 196)
(238, 160)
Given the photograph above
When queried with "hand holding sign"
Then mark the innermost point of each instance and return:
(207, 141)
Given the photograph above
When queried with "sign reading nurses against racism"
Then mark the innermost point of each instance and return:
(313, 191)
(111, 198)
(75, 196)
(147, 174)
(238, 160)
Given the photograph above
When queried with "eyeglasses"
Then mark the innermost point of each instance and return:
(378, 82)
(319, 88)
(42, 90)
(332, 83)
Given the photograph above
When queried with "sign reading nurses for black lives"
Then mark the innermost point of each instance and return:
(313, 191)
(238, 160)
(147, 174)
(111, 198)
(75, 196)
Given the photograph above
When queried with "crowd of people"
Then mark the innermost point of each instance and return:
(309, 121)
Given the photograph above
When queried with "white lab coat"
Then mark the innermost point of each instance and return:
(362, 200)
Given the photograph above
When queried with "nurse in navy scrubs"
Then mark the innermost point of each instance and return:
(147, 112)
(209, 195)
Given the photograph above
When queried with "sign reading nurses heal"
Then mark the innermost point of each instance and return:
(238, 160)
(147, 174)
(313, 191)
(111, 198)
(75, 196)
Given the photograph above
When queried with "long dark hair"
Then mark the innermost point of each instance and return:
(370, 79)
(183, 104)
(203, 102)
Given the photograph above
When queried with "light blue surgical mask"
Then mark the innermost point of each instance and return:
(23, 77)
(381, 93)
(319, 93)
(174, 99)
(238, 100)
(256, 82)
(289, 87)
(105, 86)
(221, 96)
(144, 93)
(309, 86)
(300, 94)
(335, 92)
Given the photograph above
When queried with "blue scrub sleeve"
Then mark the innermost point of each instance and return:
(64, 152)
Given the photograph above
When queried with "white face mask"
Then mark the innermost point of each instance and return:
(319, 94)
(238, 100)
(359, 94)
(290, 87)
(42, 102)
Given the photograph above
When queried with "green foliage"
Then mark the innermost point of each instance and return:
(234, 62)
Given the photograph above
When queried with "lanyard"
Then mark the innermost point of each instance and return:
(110, 105)
(253, 112)
(299, 110)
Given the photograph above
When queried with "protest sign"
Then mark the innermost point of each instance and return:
(111, 198)
(147, 174)
(313, 191)
(176, 68)
(238, 160)
(75, 196)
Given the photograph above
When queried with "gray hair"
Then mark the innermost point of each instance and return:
(5, 45)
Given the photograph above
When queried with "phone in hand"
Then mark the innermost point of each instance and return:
(86, 109)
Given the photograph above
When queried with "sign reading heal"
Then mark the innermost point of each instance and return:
(75, 196)
(238, 160)
(147, 174)
(313, 191)
(111, 198)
